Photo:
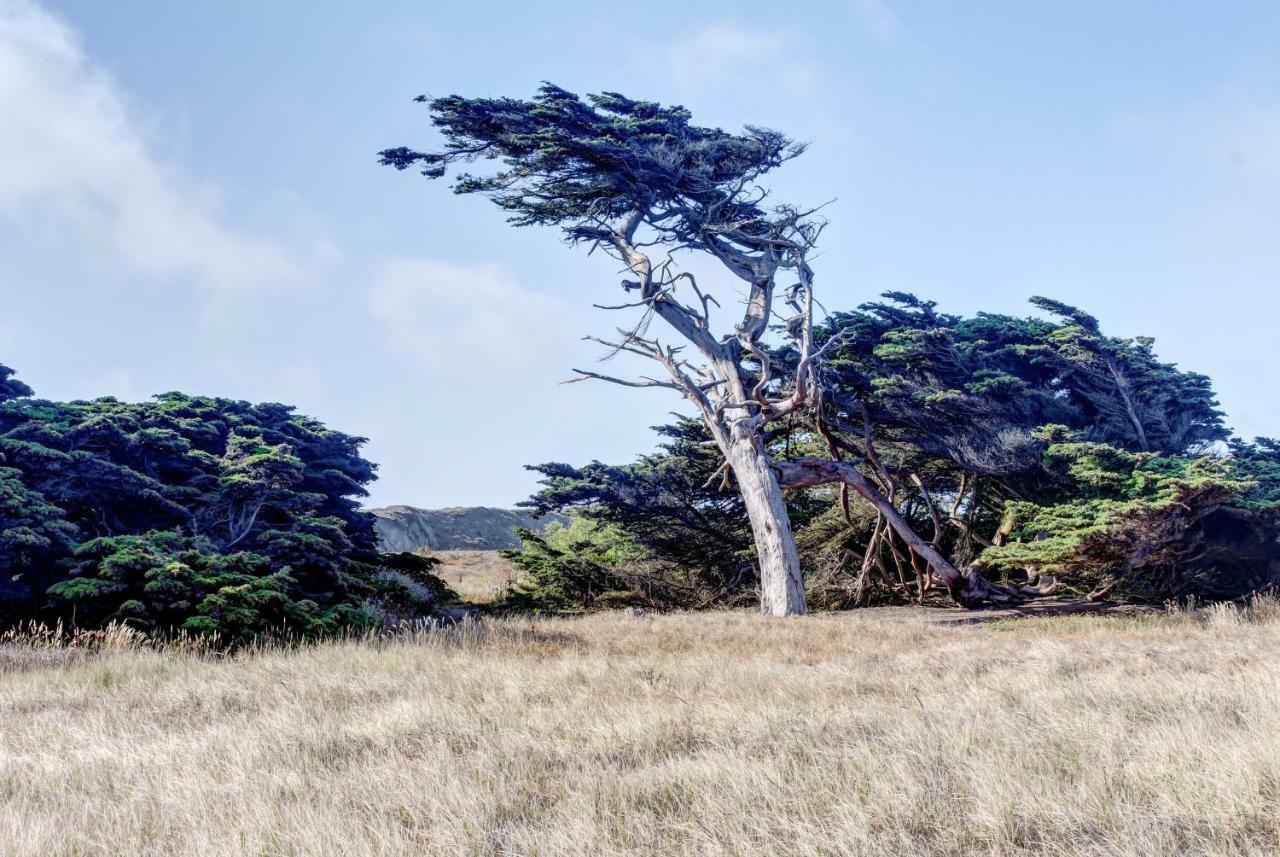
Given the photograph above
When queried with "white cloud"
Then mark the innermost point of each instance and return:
(75, 162)
(457, 317)
(725, 55)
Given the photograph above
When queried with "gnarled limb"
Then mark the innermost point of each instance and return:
(969, 589)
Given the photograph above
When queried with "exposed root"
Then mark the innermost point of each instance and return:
(973, 591)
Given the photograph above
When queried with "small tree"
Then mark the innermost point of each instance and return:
(253, 474)
(641, 182)
(11, 387)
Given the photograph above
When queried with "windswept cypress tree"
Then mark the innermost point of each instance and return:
(645, 185)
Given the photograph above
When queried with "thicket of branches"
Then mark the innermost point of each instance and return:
(1038, 449)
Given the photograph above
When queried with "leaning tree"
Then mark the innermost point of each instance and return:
(643, 183)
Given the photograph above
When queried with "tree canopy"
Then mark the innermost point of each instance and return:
(577, 163)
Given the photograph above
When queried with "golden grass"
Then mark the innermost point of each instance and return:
(478, 577)
(686, 734)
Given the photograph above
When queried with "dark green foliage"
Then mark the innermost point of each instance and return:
(185, 512)
(1125, 392)
(1143, 525)
(407, 588)
(163, 580)
(33, 534)
(974, 390)
(1259, 463)
(670, 504)
(575, 163)
(959, 410)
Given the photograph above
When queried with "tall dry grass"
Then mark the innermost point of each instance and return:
(686, 734)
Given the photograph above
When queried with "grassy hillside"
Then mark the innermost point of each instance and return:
(708, 734)
(407, 528)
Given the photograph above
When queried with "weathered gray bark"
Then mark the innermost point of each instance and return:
(735, 417)
(781, 583)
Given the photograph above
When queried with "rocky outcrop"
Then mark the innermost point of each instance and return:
(405, 528)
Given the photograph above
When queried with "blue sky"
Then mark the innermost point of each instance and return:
(189, 197)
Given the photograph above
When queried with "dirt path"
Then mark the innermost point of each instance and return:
(939, 615)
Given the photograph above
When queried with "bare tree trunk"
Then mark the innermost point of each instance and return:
(1122, 386)
(781, 585)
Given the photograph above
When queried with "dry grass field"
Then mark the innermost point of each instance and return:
(683, 734)
(477, 576)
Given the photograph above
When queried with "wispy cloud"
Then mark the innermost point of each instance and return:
(461, 317)
(725, 55)
(78, 163)
(878, 17)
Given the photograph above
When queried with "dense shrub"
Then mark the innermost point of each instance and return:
(1149, 526)
(186, 512)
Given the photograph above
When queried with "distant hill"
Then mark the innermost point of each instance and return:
(406, 528)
